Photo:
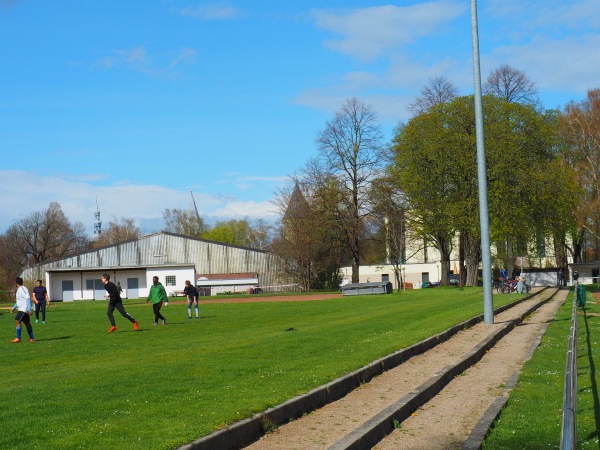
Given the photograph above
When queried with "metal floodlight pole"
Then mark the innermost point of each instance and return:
(488, 304)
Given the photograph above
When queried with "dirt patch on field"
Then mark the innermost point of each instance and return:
(278, 298)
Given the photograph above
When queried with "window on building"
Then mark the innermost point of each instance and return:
(170, 280)
(541, 246)
(94, 283)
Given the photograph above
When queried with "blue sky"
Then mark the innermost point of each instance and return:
(138, 102)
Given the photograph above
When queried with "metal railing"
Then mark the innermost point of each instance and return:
(568, 431)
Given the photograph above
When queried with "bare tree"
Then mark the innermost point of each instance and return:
(512, 85)
(437, 91)
(118, 231)
(184, 221)
(41, 236)
(579, 131)
(306, 236)
(350, 156)
(390, 206)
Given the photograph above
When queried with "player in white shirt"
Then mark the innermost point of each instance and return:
(23, 308)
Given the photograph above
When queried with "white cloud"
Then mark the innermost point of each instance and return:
(368, 33)
(247, 182)
(253, 210)
(138, 59)
(572, 63)
(21, 194)
(211, 11)
(534, 14)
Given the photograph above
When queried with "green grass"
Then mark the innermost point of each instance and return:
(80, 387)
(533, 415)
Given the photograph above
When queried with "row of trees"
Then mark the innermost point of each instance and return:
(359, 201)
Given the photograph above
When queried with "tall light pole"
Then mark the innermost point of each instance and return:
(486, 259)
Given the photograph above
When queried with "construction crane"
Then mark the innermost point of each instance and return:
(196, 210)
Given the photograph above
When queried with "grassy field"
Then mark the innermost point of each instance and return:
(160, 387)
(533, 415)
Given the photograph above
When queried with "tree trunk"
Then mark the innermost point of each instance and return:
(461, 260)
(355, 267)
(444, 247)
(472, 258)
(510, 255)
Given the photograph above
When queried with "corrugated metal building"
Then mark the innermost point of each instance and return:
(132, 264)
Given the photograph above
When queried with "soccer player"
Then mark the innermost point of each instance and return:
(192, 295)
(115, 302)
(23, 307)
(157, 295)
(41, 299)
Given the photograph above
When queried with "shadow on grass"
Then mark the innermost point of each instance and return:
(59, 338)
(594, 384)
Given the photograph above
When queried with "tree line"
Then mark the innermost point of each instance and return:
(360, 201)
(363, 201)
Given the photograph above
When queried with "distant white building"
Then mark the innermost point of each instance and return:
(423, 266)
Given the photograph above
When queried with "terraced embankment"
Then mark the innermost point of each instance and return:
(432, 400)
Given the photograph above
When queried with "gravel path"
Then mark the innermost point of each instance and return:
(447, 420)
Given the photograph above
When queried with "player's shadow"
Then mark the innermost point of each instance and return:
(58, 338)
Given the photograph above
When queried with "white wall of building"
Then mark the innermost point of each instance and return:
(86, 285)
(410, 273)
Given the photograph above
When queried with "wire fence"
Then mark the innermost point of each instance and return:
(249, 289)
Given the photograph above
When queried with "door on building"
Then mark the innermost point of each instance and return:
(99, 290)
(133, 288)
(97, 287)
(425, 278)
(67, 291)
(385, 277)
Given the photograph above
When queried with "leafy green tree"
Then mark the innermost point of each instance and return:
(436, 166)
(239, 232)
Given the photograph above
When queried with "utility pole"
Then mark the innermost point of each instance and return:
(484, 220)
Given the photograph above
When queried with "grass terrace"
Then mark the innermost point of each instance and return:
(533, 415)
(161, 387)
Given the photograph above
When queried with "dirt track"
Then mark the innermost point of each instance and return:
(278, 298)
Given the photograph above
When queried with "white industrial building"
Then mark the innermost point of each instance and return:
(424, 266)
(132, 264)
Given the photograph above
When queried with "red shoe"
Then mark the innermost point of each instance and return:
(112, 329)
(16, 340)
(135, 326)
